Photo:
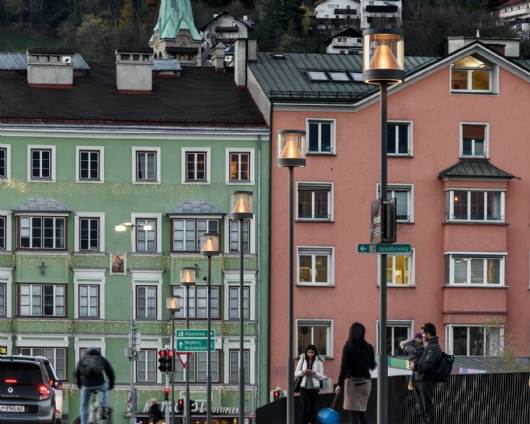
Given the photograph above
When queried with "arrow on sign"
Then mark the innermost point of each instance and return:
(183, 357)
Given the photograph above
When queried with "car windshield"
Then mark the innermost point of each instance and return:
(19, 373)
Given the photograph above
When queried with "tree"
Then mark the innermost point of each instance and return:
(96, 39)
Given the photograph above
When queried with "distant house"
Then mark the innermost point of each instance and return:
(380, 13)
(225, 28)
(516, 13)
(349, 41)
(337, 14)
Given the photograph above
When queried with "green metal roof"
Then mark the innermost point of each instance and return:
(173, 16)
(470, 168)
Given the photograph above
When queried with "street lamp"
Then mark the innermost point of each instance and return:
(209, 248)
(172, 306)
(291, 154)
(187, 279)
(132, 357)
(241, 209)
(383, 64)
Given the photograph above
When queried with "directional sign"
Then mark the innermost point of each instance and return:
(194, 334)
(385, 249)
(194, 345)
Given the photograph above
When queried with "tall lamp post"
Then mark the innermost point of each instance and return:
(291, 154)
(383, 64)
(241, 209)
(209, 248)
(187, 279)
(132, 357)
(172, 306)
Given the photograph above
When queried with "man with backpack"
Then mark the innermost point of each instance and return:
(424, 367)
(90, 376)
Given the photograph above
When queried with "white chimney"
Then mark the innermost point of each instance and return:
(218, 57)
(50, 67)
(134, 70)
(245, 51)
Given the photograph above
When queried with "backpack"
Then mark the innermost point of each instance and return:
(442, 370)
(91, 366)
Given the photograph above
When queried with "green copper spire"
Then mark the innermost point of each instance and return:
(175, 15)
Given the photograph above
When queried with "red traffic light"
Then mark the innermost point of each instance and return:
(277, 394)
(180, 405)
(170, 353)
(162, 353)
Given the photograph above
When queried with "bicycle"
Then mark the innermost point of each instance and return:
(94, 414)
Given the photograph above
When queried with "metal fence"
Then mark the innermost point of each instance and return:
(465, 398)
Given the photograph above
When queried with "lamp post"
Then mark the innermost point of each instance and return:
(209, 248)
(383, 64)
(241, 209)
(187, 279)
(291, 153)
(132, 357)
(172, 306)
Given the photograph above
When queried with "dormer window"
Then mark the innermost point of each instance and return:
(473, 74)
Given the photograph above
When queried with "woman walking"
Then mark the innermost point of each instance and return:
(311, 368)
(358, 359)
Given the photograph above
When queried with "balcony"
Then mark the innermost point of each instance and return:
(345, 12)
(382, 9)
(232, 28)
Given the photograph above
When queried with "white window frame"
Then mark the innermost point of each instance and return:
(45, 341)
(145, 370)
(7, 148)
(53, 162)
(232, 279)
(135, 151)
(409, 189)
(77, 228)
(328, 324)
(8, 230)
(42, 218)
(410, 144)
(329, 252)
(226, 237)
(178, 290)
(146, 278)
(6, 277)
(450, 203)
(412, 270)
(207, 168)
(231, 344)
(251, 176)
(333, 135)
(493, 80)
(196, 233)
(101, 151)
(194, 367)
(501, 256)
(450, 340)
(90, 277)
(43, 315)
(408, 324)
(318, 186)
(148, 216)
(237, 224)
(486, 139)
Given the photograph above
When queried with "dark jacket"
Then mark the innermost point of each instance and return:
(81, 380)
(413, 350)
(155, 413)
(430, 357)
(357, 361)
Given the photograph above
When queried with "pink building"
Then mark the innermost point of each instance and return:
(458, 143)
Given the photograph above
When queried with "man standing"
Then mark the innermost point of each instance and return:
(425, 383)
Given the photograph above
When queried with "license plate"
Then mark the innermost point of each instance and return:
(12, 408)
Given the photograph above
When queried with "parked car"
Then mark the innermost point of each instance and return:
(26, 392)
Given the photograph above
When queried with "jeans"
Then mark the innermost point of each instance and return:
(424, 391)
(308, 400)
(85, 397)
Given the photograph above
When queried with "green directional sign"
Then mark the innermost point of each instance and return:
(194, 345)
(194, 333)
(385, 249)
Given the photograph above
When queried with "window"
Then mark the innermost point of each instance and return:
(404, 194)
(146, 302)
(42, 232)
(475, 205)
(399, 138)
(476, 269)
(88, 301)
(315, 266)
(88, 234)
(187, 233)
(239, 167)
(42, 300)
(314, 201)
(198, 309)
(195, 166)
(5, 170)
(396, 332)
(472, 74)
(476, 340)
(56, 356)
(2, 232)
(3, 290)
(147, 166)
(89, 164)
(146, 239)
(474, 140)
(41, 162)
(234, 235)
(317, 333)
(198, 366)
(234, 365)
(146, 366)
(321, 136)
(399, 270)
(234, 302)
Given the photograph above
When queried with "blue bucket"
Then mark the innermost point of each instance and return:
(328, 416)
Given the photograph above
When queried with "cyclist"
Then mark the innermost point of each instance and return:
(90, 376)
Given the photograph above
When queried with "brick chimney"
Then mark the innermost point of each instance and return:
(50, 67)
(134, 70)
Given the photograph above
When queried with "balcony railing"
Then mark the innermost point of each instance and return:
(382, 9)
(345, 11)
(233, 28)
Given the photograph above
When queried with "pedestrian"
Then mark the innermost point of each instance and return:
(155, 414)
(358, 359)
(413, 348)
(311, 368)
(425, 384)
(89, 376)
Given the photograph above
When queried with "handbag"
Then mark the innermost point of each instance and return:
(297, 384)
(359, 380)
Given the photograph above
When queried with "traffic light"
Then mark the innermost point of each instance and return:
(180, 405)
(277, 394)
(162, 360)
(166, 393)
(250, 417)
(169, 363)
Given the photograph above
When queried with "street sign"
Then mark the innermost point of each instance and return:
(183, 358)
(385, 249)
(194, 345)
(194, 333)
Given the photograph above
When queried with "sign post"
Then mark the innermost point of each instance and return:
(385, 249)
